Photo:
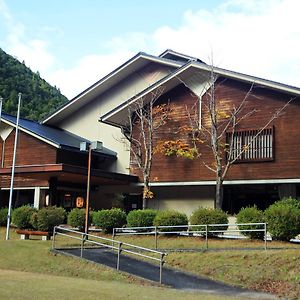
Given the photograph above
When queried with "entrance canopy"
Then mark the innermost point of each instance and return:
(70, 173)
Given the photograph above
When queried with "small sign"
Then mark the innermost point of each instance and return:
(79, 202)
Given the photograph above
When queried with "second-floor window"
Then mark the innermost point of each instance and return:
(251, 145)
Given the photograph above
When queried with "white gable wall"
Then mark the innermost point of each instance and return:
(85, 122)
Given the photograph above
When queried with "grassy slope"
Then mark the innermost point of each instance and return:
(275, 271)
(29, 271)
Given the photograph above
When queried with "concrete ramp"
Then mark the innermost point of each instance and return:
(170, 277)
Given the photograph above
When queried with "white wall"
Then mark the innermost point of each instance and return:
(185, 199)
(85, 122)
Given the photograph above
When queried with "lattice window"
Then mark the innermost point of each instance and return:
(250, 145)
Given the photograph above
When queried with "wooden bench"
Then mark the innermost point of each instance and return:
(26, 233)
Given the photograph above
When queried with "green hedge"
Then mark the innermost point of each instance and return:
(206, 216)
(251, 215)
(283, 218)
(3, 216)
(170, 218)
(76, 218)
(47, 218)
(107, 219)
(141, 218)
(21, 217)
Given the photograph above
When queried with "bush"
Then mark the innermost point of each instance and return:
(289, 201)
(21, 217)
(170, 218)
(3, 216)
(107, 219)
(206, 216)
(283, 219)
(47, 218)
(141, 218)
(76, 218)
(251, 215)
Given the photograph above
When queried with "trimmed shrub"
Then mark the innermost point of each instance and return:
(76, 218)
(3, 216)
(289, 201)
(141, 218)
(47, 218)
(251, 215)
(170, 218)
(21, 217)
(283, 219)
(107, 219)
(206, 216)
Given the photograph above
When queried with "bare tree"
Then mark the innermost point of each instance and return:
(219, 134)
(145, 117)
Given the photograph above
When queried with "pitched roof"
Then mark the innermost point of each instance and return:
(114, 77)
(173, 55)
(54, 136)
(196, 69)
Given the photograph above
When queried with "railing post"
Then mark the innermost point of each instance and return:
(155, 237)
(206, 236)
(119, 253)
(113, 237)
(160, 267)
(265, 227)
(81, 246)
(53, 240)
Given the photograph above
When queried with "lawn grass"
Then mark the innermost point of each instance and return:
(23, 285)
(276, 271)
(28, 270)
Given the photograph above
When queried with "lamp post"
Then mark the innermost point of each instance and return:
(85, 146)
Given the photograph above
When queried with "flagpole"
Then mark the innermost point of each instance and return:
(13, 169)
(1, 99)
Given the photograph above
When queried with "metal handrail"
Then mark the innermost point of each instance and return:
(205, 230)
(120, 246)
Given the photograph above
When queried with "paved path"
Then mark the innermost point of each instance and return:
(170, 277)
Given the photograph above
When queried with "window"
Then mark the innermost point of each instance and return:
(250, 145)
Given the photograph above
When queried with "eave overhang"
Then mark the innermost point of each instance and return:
(135, 63)
(119, 115)
(69, 173)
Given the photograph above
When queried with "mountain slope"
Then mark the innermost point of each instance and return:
(39, 98)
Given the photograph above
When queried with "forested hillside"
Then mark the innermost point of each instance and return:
(38, 97)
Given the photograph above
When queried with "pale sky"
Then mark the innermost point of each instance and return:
(73, 43)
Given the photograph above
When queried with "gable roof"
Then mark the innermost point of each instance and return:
(54, 136)
(132, 65)
(171, 54)
(195, 69)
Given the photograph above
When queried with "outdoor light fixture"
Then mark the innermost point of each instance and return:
(86, 146)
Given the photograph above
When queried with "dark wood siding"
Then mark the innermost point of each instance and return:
(30, 151)
(265, 101)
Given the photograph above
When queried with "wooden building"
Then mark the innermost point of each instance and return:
(50, 167)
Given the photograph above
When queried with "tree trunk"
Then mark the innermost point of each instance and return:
(219, 193)
(145, 192)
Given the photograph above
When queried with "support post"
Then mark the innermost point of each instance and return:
(119, 254)
(155, 237)
(53, 240)
(206, 236)
(265, 227)
(160, 267)
(82, 244)
(88, 192)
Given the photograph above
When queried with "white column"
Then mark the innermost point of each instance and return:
(37, 195)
